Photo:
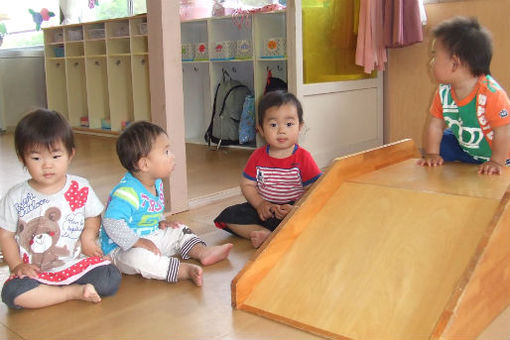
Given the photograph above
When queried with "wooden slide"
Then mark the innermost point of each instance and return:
(382, 248)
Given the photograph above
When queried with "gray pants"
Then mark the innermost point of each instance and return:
(105, 279)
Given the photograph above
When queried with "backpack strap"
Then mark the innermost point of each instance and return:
(208, 133)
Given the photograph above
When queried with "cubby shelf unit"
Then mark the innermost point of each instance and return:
(97, 73)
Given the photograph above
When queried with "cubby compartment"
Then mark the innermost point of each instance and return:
(95, 32)
(224, 35)
(54, 36)
(197, 99)
(194, 34)
(141, 86)
(76, 91)
(117, 29)
(277, 69)
(119, 46)
(74, 33)
(138, 26)
(74, 49)
(120, 91)
(95, 48)
(97, 90)
(271, 35)
(56, 85)
(139, 45)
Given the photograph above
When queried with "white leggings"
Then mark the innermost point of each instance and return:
(170, 242)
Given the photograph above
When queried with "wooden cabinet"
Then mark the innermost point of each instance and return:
(97, 73)
(237, 45)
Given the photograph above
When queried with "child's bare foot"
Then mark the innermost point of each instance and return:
(258, 237)
(211, 255)
(89, 294)
(188, 271)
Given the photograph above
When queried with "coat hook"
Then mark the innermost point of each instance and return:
(196, 69)
(96, 62)
(142, 61)
(279, 68)
(234, 69)
(75, 63)
(58, 64)
(117, 62)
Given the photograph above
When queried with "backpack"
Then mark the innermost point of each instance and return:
(227, 108)
(274, 84)
(247, 132)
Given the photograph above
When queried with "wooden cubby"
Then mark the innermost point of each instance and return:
(97, 73)
(201, 76)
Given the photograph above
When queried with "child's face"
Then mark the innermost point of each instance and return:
(47, 167)
(161, 161)
(281, 127)
(442, 63)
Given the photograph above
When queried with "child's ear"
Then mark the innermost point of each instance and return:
(455, 63)
(143, 164)
(73, 152)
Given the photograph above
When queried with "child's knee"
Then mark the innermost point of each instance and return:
(14, 288)
(109, 282)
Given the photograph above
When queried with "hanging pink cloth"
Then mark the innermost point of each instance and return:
(370, 50)
(402, 23)
(386, 23)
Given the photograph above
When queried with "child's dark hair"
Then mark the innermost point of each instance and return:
(42, 127)
(470, 42)
(277, 99)
(136, 142)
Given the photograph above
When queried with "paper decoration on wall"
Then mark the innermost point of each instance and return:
(93, 3)
(38, 17)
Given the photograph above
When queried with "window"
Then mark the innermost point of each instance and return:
(329, 42)
(20, 23)
(22, 29)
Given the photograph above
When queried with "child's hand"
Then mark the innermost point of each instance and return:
(147, 244)
(163, 224)
(280, 211)
(91, 248)
(490, 168)
(265, 210)
(26, 270)
(431, 159)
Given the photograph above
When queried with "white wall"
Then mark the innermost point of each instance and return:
(22, 84)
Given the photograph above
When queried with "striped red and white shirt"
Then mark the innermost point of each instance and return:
(281, 180)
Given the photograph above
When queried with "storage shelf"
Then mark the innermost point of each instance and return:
(102, 80)
(201, 77)
(119, 38)
(271, 58)
(231, 60)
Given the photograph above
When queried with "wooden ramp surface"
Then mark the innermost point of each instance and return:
(394, 251)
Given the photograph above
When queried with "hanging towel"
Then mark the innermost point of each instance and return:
(370, 49)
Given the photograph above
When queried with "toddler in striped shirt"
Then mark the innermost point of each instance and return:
(276, 175)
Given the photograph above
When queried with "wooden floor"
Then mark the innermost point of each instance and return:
(208, 171)
(145, 309)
